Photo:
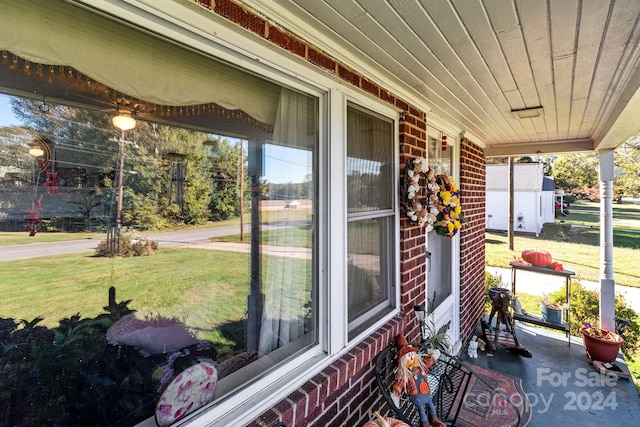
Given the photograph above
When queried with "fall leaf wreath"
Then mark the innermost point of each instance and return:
(434, 204)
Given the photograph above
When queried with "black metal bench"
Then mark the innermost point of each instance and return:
(448, 380)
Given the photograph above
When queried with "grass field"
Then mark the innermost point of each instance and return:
(45, 288)
(580, 249)
(210, 296)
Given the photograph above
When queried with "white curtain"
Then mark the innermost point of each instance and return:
(139, 65)
(283, 319)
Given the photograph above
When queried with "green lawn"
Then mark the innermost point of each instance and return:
(580, 249)
(23, 238)
(211, 292)
(206, 289)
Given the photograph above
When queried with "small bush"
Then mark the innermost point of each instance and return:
(127, 247)
(552, 231)
(585, 308)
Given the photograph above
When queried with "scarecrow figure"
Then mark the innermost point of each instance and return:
(412, 379)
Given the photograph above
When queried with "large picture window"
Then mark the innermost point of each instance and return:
(371, 216)
(202, 225)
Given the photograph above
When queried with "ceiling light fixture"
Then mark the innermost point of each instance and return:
(123, 120)
(36, 150)
(528, 113)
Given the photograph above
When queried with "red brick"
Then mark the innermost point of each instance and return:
(320, 59)
(286, 41)
(239, 15)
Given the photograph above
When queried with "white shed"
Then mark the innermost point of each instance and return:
(534, 197)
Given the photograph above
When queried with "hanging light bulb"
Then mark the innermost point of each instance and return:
(36, 150)
(123, 120)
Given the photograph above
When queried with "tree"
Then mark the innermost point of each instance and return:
(86, 148)
(575, 170)
(147, 190)
(627, 161)
(224, 171)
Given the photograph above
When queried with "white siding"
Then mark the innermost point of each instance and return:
(526, 204)
(534, 205)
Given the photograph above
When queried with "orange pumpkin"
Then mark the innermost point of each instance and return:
(537, 257)
(379, 421)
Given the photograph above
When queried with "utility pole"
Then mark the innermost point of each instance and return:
(120, 184)
(241, 192)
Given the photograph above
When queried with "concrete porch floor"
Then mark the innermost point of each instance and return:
(562, 386)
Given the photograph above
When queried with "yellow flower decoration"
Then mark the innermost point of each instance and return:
(436, 203)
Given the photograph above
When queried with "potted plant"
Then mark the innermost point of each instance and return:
(437, 337)
(601, 344)
(552, 312)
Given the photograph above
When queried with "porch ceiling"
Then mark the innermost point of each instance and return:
(470, 63)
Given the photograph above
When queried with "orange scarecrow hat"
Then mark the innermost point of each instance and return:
(403, 346)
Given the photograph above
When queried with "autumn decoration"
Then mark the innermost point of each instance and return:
(537, 258)
(432, 200)
(380, 421)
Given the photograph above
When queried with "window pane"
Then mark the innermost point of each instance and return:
(369, 162)
(370, 241)
(369, 251)
(439, 159)
(105, 337)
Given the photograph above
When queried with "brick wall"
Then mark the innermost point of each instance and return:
(472, 237)
(413, 136)
(345, 393)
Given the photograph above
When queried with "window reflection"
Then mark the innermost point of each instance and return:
(89, 340)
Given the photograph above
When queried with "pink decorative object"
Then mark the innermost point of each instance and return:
(189, 391)
(158, 335)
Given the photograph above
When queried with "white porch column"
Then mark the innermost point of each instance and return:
(607, 284)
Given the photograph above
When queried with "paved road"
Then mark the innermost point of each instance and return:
(167, 239)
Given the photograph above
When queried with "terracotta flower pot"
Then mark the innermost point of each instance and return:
(602, 349)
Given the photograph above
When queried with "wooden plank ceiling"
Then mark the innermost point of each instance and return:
(471, 63)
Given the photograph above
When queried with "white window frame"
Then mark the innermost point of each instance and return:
(202, 30)
(379, 214)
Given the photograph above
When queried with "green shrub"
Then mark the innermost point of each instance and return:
(127, 247)
(585, 308)
(551, 230)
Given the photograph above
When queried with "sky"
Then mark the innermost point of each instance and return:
(285, 164)
(6, 116)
